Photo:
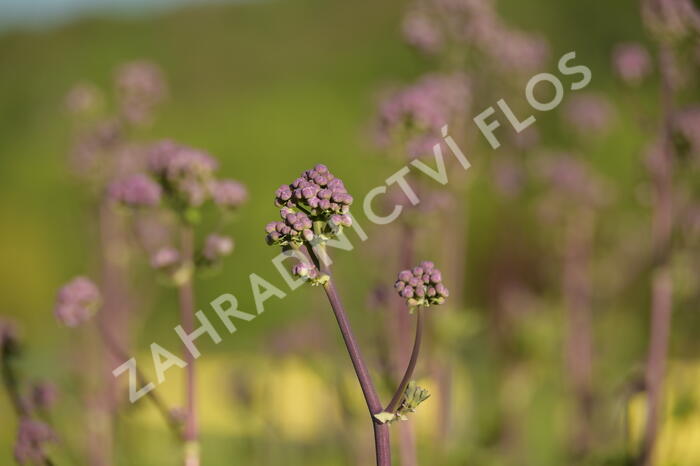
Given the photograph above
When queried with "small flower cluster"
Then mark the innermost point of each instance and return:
(422, 285)
(316, 197)
(418, 112)
(295, 228)
(181, 174)
(185, 173)
(670, 19)
(228, 194)
(136, 190)
(32, 436)
(432, 25)
(141, 87)
(77, 301)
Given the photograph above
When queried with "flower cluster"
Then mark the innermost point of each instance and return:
(670, 19)
(228, 194)
(295, 228)
(431, 25)
(142, 87)
(185, 173)
(422, 285)
(418, 112)
(136, 190)
(316, 203)
(77, 301)
(31, 439)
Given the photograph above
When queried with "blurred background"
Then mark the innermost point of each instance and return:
(539, 357)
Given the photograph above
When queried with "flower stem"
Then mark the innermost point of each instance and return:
(662, 286)
(398, 395)
(186, 300)
(381, 431)
(118, 352)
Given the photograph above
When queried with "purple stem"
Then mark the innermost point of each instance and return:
(662, 286)
(186, 300)
(381, 431)
(119, 353)
(398, 396)
(579, 337)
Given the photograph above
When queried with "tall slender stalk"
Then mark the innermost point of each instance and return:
(662, 287)
(186, 300)
(398, 395)
(579, 344)
(381, 431)
(119, 353)
(407, 436)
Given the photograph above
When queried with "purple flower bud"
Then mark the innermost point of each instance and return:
(135, 191)
(324, 204)
(165, 258)
(407, 292)
(414, 281)
(436, 277)
(427, 265)
(270, 227)
(308, 235)
(417, 271)
(405, 275)
(216, 247)
(399, 285)
(431, 291)
(320, 168)
(77, 301)
(229, 193)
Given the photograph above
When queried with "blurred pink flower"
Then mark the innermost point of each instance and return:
(229, 193)
(417, 112)
(589, 113)
(631, 62)
(31, 437)
(136, 190)
(141, 87)
(165, 258)
(421, 32)
(77, 301)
